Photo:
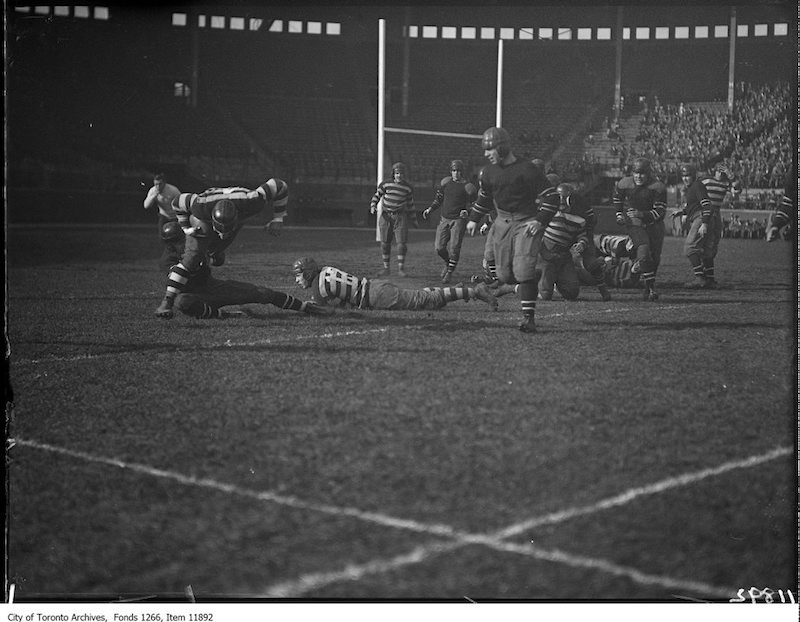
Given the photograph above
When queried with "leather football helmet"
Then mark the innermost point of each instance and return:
(688, 170)
(496, 138)
(457, 165)
(305, 271)
(398, 167)
(225, 218)
(171, 231)
(642, 165)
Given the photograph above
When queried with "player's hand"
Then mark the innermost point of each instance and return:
(632, 213)
(533, 228)
(578, 248)
(485, 228)
(463, 213)
(193, 231)
(702, 230)
(772, 234)
(471, 226)
(373, 210)
(620, 217)
(426, 213)
(274, 227)
(678, 212)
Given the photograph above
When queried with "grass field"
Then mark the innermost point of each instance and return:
(630, 450)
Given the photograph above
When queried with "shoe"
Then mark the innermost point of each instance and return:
(401, 273)
(546, 295)
(447, 277)
(312, 308)
(710, 284)
(165, 309)
(384, 272)
(527, 325)
(636, 268)
(483, 293)
(604, 293)
(652, 296)
(445, 270)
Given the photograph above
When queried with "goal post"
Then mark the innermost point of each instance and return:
(382, 129)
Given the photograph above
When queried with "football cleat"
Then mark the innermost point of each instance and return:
(604, 293)
(650, 295)
(503, 290)
(447, 277)
(384, 272)
(527, 325)
(710, 284)
(401, 273)
(483, 293)
(165, 309)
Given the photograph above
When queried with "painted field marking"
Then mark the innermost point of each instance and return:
(494, 540)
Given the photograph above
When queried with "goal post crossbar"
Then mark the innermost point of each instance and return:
(402, 130)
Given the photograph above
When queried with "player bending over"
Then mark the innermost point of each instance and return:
(332, 286)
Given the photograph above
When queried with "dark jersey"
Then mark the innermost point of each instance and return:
(650, 200)
(512, 189)
(697, 203)
(453, 196)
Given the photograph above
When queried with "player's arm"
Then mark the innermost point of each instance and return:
(376, 198)
(150, 200)
(659, 209)
(438, 197)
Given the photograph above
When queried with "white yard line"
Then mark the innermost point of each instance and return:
(459, 539)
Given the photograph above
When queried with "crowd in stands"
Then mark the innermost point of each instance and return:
(754, 139)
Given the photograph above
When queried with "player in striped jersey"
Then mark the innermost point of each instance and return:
(786, 212)
(454, 195)
(568, 232)
(704, 232)
(211, 220)
(717, 186)
(398, 201)
(641, 203)
(511, 186)
(203, 297)
(332, 286)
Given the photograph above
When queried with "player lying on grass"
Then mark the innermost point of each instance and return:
(203, 297)
(610, 263)
(331, 286)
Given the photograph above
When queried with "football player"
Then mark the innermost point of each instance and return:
(511, 185)
(785, 212)
(173, 238)
(704, 231)
(203, 296)
(332, 286)
(454, 195)
(211, 220)
(398, 201)
(717, 186)
(641, 204)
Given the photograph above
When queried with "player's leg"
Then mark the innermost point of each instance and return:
(711, 248)
(525, 253)
(401, 235)
(693, 248)
(194, 252)
(457, 229)
(442, 239)
(386, 233)
(567, 281)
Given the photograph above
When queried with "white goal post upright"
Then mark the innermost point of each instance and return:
(382, 129)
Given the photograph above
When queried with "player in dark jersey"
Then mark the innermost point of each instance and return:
(398, 201)
(331, 286)
(211, 220)
(511, 185)
(203, 297)
(704, 232)
(454, 195)
(641, 203)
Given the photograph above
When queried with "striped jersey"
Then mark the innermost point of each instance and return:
(614, 246)
(453, 196)
(716, 190)
(787, 210)
(340, 288)
(650, 199)
(697, 203)
(397, 196)
(574, 220)
(248, 202)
